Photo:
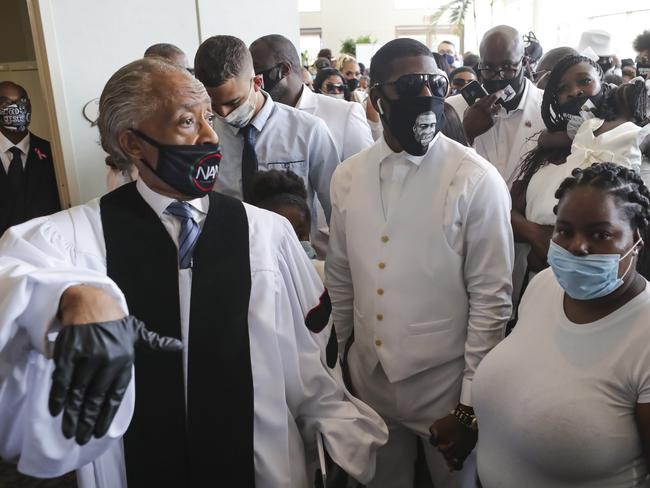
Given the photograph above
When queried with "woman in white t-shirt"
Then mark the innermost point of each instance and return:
(564, 401)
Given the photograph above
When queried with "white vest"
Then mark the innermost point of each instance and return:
(410, 300)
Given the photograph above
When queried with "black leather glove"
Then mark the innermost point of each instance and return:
(92, 371)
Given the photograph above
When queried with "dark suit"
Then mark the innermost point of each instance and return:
(41, 194)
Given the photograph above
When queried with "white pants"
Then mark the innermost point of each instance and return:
(409, 407)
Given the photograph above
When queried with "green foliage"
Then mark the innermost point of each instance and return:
(456, 10)
(349, 45)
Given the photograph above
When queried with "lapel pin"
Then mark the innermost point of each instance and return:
(39, 153)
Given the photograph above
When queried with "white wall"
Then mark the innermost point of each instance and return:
(249, 19)
(340, 19)
(555, 22)
(88, 40)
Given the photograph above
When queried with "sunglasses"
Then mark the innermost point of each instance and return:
(334, 87)
(460, 82)
(411, 85)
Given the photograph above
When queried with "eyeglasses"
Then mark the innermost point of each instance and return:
(506, 72)
(334, 87)
(411, 85)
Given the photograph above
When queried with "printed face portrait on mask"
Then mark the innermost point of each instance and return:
(425, 128)
(411, 102)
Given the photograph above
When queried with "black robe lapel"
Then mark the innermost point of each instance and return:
(214, 447)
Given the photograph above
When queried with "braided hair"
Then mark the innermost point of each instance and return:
(629, 100)
(554, 119)
(623, 183)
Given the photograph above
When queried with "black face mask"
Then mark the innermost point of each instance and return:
(414, 121)
(517, 84)
(573, 105)
(271, 81)
(192, 170)
(353, 84)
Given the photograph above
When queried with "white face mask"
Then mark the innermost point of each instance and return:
(242, 115)
(340, 96)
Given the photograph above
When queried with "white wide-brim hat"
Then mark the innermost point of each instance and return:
(598, 40)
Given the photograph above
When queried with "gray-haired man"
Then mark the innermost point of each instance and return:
(225, 283)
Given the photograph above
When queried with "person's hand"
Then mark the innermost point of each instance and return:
(454, 440)
(540, 240)
(93, 357)
(479, 118)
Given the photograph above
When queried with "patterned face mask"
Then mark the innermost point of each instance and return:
(16, 117)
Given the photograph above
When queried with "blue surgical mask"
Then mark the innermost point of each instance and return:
(587, 277)
(308, 248)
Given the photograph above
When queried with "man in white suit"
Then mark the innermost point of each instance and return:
(276, 59)
(419, 269)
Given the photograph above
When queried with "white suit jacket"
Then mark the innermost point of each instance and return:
(345, 120)
(430, 283)
(514, 133)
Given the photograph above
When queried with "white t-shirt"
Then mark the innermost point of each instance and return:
(555, 400)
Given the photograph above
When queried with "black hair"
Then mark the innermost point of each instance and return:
(642, 41)
(281, 49)
(471, 60)
(362, 68)
(554, 120)
(221, 58)
(618, 181)
(462, 69)
(448, 42)
(275, 189)
(381, 64)
(453, 126)
(629, 100)
(613, 79)
(163, 50)
(325, 53)
(325, 73)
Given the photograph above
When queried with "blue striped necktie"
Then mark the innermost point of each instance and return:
(189, 233)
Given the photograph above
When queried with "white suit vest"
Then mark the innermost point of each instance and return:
(410, 299)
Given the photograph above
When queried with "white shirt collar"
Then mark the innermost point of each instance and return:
(6, 144)
(159, 203)
(307, 100)
(386, 153)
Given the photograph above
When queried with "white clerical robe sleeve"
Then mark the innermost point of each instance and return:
(38, 263)
(352, 431)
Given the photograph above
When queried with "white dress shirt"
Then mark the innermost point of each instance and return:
(394, 170)
(285, 139)
(346, 121)
(5, 153)
(294, 394)
(513, 134)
